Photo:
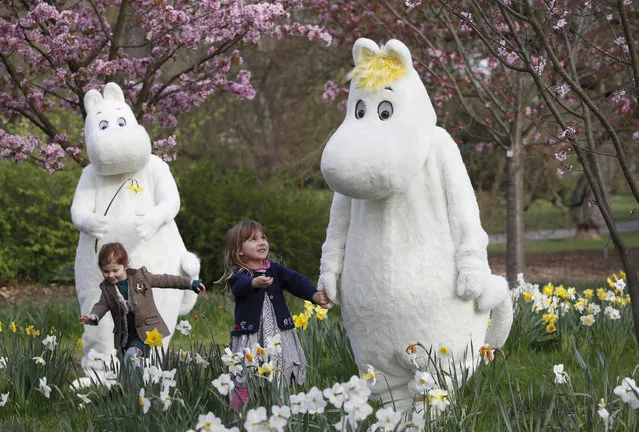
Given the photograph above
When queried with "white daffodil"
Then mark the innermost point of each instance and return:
(4, 399)
(424, 381)
(605, 415)
(416, 424)
(274, 345)
(358, 409)
(165, 399)
(370, 375)
(438, 400)
(357, 387)
(39, 360)
(279, 418)
(223, 384)
(560, 375)
(109, 379)
(336, 395)
(168, 378)
(184, 356)
(298, 403)
(50, 342)
(84, 398)
(628, 392)
(200, 360)
(315, 402)
(143, 401)
(594, 308)
(93, 355)
(184, 327)
(3, 363)
(612, 313)
(588, 320)
(610, 296)
(44, 388)
(209, 422)
(152, 374)
(387, 419)
(267, 370)
(249, 357)
(620, 284)
(256, 420)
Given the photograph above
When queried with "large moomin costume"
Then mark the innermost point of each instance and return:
(127, 195)
(405, 253)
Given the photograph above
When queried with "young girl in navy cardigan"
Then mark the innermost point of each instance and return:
(261, 312)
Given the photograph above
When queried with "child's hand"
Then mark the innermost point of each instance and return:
(321, 299)
(262, 281)
(87, 319)
(197, 286)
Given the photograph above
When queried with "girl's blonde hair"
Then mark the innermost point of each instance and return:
(237, 235)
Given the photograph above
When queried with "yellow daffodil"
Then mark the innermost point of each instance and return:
(527, 296)
(548, 289)
(588, 293)
(601, 293)
(261, 351)
(550, 328)
(32, 331)
(443, 351)
(0, 326)
(153, 338)
(78, 343)
(622, 275)
(549, 318)
(13, 326)
(370, 375)
(308, 308)
(136, 189)
(561, 292)
(321, 314)
(611, 284)
(490, 321)
(301, 320)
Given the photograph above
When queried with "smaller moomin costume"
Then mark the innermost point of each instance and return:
(405, 254)
(125, 195)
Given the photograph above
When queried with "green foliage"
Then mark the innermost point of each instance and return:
(37, 238)
(213, 200)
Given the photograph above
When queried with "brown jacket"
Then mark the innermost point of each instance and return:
(146, 313)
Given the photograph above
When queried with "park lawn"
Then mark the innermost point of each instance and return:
(605, 245)
(542, 215)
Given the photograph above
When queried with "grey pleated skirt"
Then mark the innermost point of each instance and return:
(291, 360)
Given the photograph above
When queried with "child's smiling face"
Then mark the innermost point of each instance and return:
(255, 249)
(114, 273)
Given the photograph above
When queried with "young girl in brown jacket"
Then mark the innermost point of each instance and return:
(128, 294)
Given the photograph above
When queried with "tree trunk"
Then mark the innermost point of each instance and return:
(584, 213)
(515, 257)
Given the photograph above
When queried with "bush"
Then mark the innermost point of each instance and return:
(37, 237)
(214, 200)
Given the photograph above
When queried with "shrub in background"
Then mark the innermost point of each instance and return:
(213, 200)
(37, 237)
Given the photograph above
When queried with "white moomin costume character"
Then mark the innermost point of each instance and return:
(125, 195)
(405, 254)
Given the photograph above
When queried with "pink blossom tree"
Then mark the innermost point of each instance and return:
(169, 56)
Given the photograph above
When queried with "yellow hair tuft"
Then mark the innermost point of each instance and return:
(377, 72)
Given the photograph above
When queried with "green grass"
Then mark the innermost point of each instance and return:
(542, 215)
(604, 245)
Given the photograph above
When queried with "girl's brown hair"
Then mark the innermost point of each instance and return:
(237, 235)
(113, 253)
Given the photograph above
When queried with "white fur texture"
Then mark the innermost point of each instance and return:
(405, 253)
(142, 222)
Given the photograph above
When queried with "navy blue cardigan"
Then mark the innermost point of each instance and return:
(249, 300)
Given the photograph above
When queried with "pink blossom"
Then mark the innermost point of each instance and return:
(560, 173)
(413, 3)
(562, 90)
(561, 156)
(635, 136)
(560, 24)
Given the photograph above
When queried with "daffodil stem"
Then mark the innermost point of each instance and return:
(95, 246)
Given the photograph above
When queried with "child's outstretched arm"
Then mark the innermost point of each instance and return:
(97, 312)
(172, 281)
